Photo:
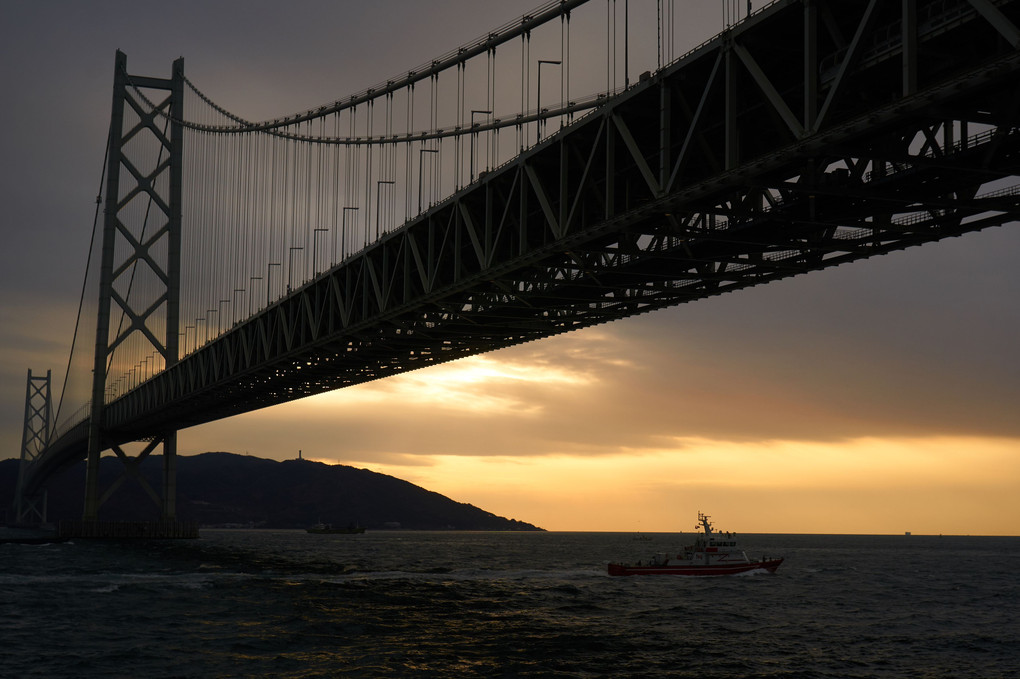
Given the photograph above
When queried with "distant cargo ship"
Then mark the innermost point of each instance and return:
(323, 528)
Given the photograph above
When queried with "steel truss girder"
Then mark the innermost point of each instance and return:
(739, 165)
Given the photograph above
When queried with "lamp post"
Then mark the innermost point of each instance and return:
(315, 250)
(233, 316)
(290, 268)
(343, 234)
(219, 322)
(378, 193)
(208, 322)
(471, 176)
(626, 44)
(251, 297)
(420, 156)
(269, 279)
(540, 125)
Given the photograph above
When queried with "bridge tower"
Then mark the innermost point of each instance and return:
(35, 437)
(141, 241)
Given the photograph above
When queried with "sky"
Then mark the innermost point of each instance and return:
(876, 397)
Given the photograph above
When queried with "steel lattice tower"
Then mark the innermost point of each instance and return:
(34, 439)
(152, 247)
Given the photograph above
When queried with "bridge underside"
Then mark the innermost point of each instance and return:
(780, 148)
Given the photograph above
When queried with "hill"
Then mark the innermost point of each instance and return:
(217, 489)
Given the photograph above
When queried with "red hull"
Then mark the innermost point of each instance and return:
(769, 565)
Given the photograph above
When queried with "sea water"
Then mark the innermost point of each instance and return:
(451, 604)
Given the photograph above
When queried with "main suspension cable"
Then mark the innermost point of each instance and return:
(84, 284)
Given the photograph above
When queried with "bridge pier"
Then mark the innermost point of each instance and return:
(170, 476)
(167, 501)
(91, 512)
(167, 527)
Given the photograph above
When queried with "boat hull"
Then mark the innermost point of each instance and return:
(769, 565)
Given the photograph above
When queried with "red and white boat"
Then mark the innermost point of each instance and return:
(713, 553)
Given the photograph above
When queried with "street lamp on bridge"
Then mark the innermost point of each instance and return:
(541, 122)
(209, 322)
(219, 319)
(233, 315)
(269, 280)
(471, 168)
(251, 297)
(378, 193)
(343, 233)
(290, 268)
(315, 250)
(420, 156)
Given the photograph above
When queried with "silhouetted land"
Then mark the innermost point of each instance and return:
(224, 489)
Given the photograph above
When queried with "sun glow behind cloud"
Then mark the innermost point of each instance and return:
(861, 486)
(478, 384)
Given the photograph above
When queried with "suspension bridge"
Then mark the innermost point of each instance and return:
(551, 175)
